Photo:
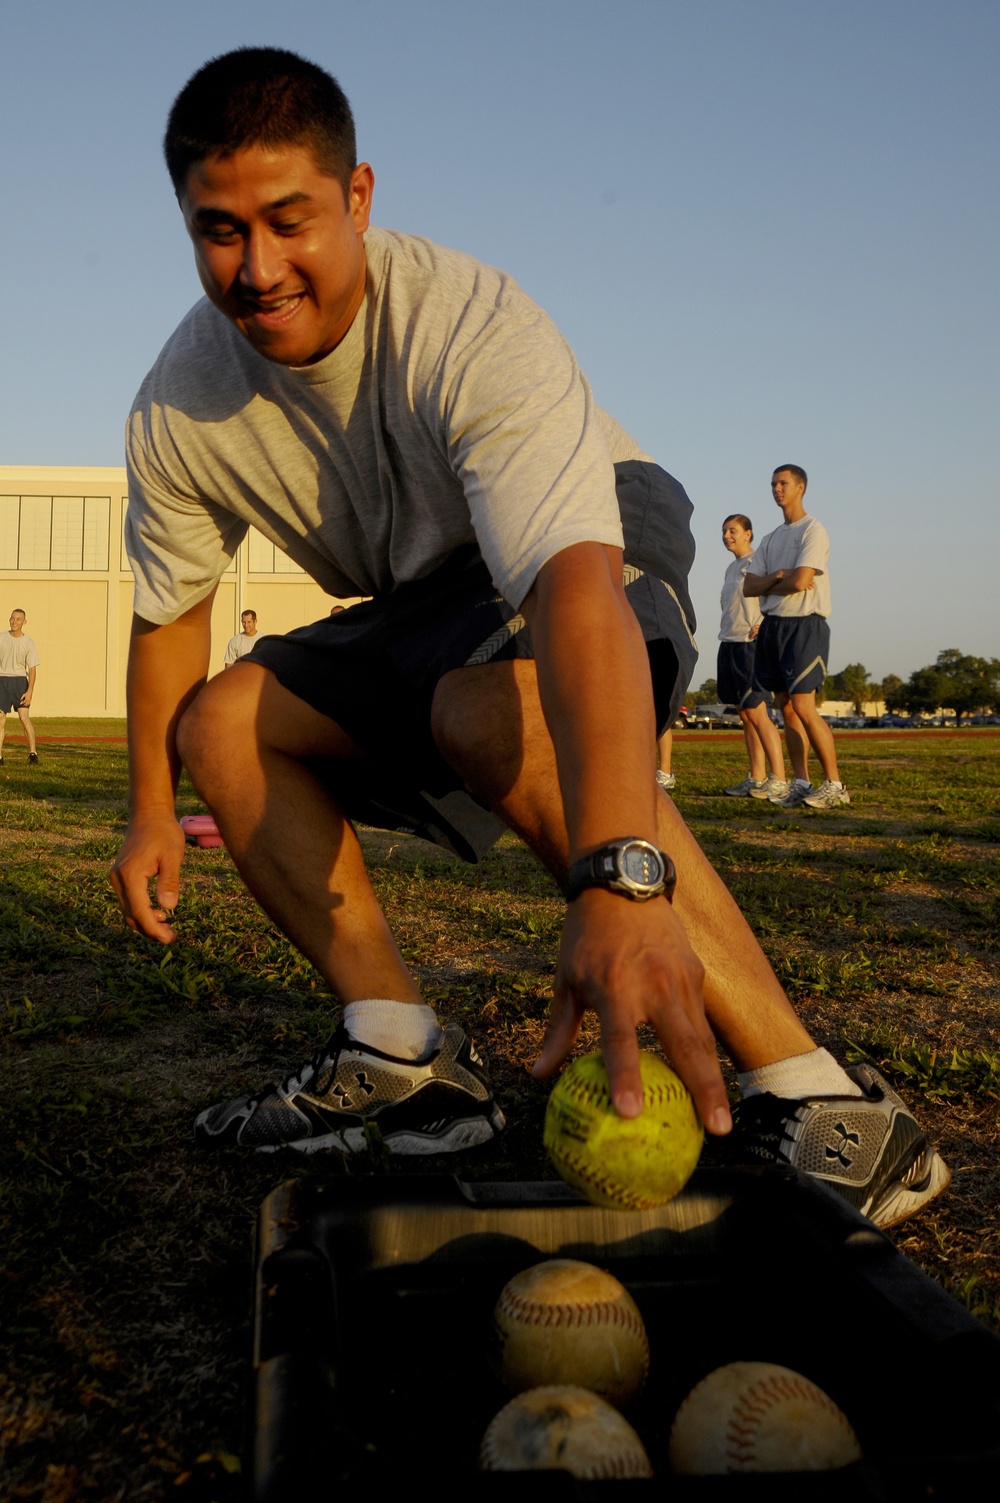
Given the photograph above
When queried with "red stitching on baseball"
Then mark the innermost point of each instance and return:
(754, 1403)
(533, 1312)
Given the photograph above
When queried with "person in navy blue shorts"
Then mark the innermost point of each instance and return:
(792, 582)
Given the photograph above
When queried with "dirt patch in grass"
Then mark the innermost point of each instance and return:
(124, 1291)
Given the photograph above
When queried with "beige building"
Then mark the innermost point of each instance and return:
(63, 561)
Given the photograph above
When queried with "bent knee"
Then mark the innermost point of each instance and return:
(216, 721)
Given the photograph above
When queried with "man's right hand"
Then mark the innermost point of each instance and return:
(167, 666)
(154, 847)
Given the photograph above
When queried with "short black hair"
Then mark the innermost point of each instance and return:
(248, 613)
(260, 96)
(793, 469)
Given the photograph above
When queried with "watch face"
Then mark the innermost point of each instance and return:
(642, 864)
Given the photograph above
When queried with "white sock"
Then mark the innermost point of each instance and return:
(409, 1030)
(802, 783)
(814, 1074)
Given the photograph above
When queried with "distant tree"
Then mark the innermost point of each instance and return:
(969, 684)
(924, 691)
(854, 684)
(892, 692)
(708, 694)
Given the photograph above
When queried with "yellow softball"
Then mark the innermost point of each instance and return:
(636, 1163)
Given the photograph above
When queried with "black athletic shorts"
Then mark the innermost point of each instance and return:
(11, 689)
(373, 669)
(792, 653)
(737, 684)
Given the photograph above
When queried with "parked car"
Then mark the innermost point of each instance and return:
(723, 717)
(893, 719)
(692, 717)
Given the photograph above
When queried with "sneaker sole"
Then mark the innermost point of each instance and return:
(453, 1137)
(905, 1197)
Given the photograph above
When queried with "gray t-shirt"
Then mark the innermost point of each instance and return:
(452, 411)
(740, 613)
(794, 544)
(17, 655)
(239, 647)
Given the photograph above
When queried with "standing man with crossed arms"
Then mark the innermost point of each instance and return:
(791, 579)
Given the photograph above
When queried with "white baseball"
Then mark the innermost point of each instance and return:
(563, 1321)
(758, 1417)
(566, 1428)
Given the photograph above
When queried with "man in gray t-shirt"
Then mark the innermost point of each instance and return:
(407, 425)
(19, 663)
(791, 579)
(245, 640)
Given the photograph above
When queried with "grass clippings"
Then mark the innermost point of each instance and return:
(125, 1266)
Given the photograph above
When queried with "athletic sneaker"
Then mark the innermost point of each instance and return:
(744, 789)
(666, 780)
(769, 787)
(32, 756)
(827, 796)
(438, 1104)
(868, 1148)
(795, 795)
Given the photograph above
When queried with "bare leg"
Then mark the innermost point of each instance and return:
(664, 748)
(246, 741)
(767, 734)
(29, 730)
(489, 723)
(755, 751)
(3, 727)
(795, 737)
(819, 733)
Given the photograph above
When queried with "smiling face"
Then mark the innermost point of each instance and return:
(248, 621)
(17, 620)
(736, 538)
(278, 250)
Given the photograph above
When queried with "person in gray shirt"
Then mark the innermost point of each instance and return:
(19, 662)
(408, 425)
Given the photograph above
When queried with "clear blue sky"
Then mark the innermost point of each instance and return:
(769, 228)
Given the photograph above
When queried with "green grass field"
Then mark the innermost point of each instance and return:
(126, 1254)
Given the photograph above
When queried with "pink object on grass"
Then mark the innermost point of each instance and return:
(201, 829)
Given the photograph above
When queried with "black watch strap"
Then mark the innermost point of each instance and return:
(607, 867)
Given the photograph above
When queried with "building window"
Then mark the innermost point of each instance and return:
(68, 533)
(10, 507)
(264, 558)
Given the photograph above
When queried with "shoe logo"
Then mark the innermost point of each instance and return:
(838, 1150)
(343, 1093)
(473, 1056)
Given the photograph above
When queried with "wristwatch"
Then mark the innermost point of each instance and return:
(635, 868)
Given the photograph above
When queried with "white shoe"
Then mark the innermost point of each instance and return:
(828, 796)
(769, 787)
(744, 789)
(666, 780)
(796, 795)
